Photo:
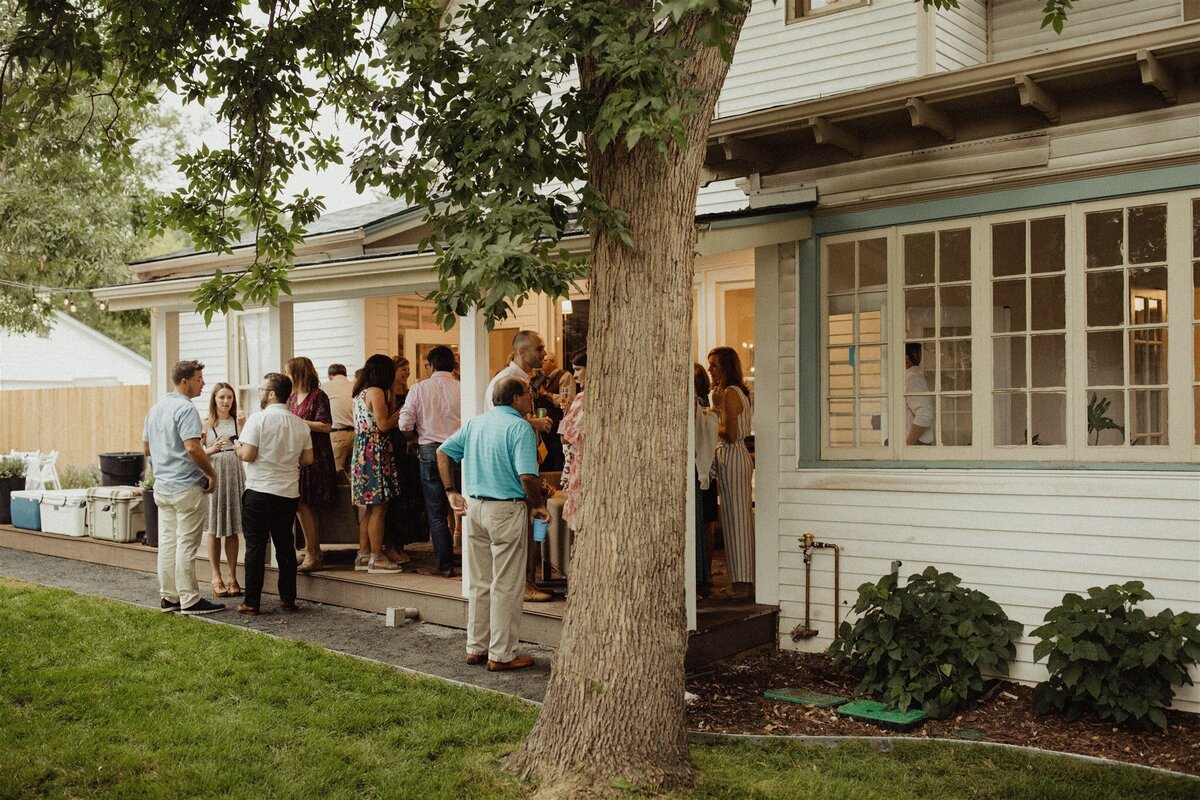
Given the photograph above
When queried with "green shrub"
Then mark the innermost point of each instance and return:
(1113, 660)
(925, 644)
(79, 477)
(12, 467)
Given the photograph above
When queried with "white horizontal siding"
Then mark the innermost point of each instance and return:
(329, 332)
(1017, 31)
(719, 197)
(1023, 537)
(208, 346)
(960, 36)
(777, 63)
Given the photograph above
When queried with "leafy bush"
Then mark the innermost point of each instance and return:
(925, 644)
(79, 477)
(12, 467)
(147, 483)
(1113, 660)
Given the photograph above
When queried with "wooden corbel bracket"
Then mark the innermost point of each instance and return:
(1035, 97)
(825, 132)
(924, 115)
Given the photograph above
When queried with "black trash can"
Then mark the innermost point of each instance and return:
(121, 469)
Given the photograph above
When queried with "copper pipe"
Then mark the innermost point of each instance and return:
(837, 580)
(807, 631)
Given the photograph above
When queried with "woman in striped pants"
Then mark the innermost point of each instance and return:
(731, 400)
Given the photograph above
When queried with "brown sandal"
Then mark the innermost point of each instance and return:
(233, 590)
(219, 588)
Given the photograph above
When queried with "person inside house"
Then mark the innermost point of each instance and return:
(706, 484)
(183, 474)
(547, 402)
(220, 435)
(373, 467)
(276, 444)
(735, 468)
(499, 455)
(429, 416)
(340, 390)
(528, 353)
(405, 522)
(318, 480)
(918, 404)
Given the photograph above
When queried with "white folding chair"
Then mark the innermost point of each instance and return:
(44, 475)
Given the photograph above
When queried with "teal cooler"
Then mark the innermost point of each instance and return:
(27, 509)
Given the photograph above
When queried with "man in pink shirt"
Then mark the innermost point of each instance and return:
(431, 413)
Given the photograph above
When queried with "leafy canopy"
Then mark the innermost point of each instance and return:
(476, 113)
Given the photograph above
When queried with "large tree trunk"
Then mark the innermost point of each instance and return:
(614, 708)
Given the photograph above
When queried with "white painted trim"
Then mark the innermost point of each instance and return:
(766, 418)
(712, 241)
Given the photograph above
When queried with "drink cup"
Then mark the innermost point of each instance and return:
(541, 412)
(540, 526)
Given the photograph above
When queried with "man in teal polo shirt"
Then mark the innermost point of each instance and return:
(500, 470)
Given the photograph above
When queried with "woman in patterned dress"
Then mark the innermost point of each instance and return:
(225, 503)
(735, 469)
(318, 480)
(373, 466)
(571, 431)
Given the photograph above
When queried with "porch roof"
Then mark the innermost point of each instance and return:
(1129, 74)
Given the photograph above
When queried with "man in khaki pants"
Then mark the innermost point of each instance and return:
(500, 470)
(182, 476)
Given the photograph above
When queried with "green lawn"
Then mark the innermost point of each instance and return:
(101, 699)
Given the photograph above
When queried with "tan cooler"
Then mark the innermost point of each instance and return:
(115, 513)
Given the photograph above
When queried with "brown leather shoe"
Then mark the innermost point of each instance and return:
(536, 595)
(475, 659)
(518, 662)
(291, 608)
(249, 611)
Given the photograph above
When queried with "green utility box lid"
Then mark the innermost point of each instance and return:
(878, 713)
(805, 697)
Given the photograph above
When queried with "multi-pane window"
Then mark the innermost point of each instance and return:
(856, 343)
(1126, 255)
(251, 348)
(803, 9)
(1025, 336)
(1196, 320)
(937, 316)
(1029, 343)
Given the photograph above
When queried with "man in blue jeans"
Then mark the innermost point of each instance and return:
(431, 414)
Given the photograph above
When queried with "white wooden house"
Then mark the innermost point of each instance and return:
(1025, 206)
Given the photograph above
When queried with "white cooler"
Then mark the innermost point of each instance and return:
(65, 511)
(115, 513)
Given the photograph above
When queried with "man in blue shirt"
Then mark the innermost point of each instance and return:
(500, 470)
(182, 476)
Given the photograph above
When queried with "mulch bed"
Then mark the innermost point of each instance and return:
(731, 701)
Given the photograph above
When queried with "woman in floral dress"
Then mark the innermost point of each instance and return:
(373, 465)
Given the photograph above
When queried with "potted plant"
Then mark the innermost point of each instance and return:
(12, 479)
(150, 509)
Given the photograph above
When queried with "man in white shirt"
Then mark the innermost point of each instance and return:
(274, 443)
(918, 405)
(341, 405)
(528, 352)
(431, 413)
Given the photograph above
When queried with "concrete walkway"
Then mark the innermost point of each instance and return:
(428, 649)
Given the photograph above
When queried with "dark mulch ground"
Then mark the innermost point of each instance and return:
(731, 701)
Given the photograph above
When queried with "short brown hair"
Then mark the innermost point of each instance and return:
(280, 384)
(508, 390)
(184, 370)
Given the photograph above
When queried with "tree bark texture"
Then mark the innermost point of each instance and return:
(614, 707)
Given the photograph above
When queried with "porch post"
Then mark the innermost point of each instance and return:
(767, 285)
(164, 351)
(689, 539)
(283, 333)
(473, 369)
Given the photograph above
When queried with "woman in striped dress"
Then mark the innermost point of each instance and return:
(735, 469)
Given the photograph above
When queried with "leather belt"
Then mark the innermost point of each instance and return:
(344, 428)
(499, 499)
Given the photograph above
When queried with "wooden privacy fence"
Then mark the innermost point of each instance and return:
(78, 422)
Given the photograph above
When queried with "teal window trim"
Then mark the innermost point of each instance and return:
(808, 312)
(1084, 190)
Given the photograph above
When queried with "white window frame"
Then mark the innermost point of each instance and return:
(800, 10)
(1181, 421)
(246, 393)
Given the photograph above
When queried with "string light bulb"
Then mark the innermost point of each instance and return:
(72, 308)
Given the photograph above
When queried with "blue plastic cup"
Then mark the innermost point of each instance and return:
(540, 526)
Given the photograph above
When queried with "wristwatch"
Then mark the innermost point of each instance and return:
(449, 489)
